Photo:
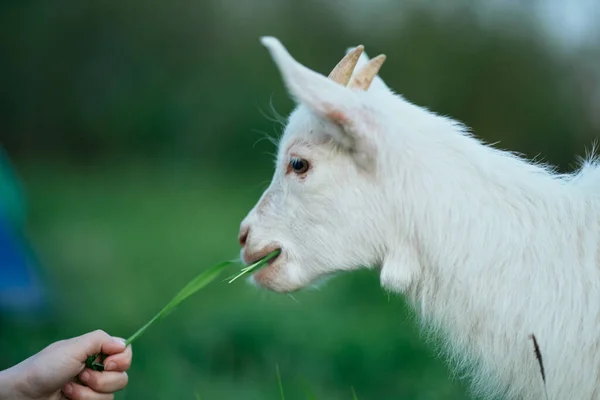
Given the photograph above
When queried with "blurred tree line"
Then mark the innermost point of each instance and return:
(106, 81)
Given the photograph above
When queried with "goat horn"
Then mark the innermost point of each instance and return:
(363, 78)
(343, 70)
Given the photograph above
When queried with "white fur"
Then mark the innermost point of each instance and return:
(487, 246)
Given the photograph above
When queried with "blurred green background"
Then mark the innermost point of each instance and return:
(137, 131)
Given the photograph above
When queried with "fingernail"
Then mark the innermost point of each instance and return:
(68, 389)
(84, 376)
(119, 340)
(110, 366)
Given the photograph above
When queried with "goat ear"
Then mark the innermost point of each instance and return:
(325, 98)
(378, 84)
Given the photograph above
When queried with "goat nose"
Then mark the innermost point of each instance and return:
(243, 236)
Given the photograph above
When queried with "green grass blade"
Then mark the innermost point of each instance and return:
(280, 384)
(196, 284)
(192, 287)
(256, 265)
(353, 394)
(310, 395)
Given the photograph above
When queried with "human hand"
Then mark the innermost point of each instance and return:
(59, 370)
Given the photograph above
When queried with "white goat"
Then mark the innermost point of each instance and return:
(487, 246)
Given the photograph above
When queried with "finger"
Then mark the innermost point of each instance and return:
(104, 382)
(74, 391)
(119, 361)
(101, 342)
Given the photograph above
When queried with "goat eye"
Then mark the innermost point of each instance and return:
(299, 165)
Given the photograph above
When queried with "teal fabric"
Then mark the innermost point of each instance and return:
(21, 288)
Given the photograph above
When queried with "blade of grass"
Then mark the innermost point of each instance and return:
(257, 265)
(196, 284)
(280, 384)
(310, 395)
(353, 394)
(192, 287)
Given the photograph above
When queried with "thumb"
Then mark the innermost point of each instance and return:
(95, 342)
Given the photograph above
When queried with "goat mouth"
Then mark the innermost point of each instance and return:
(266, 252)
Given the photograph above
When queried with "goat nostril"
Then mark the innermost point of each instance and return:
(243, 236)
